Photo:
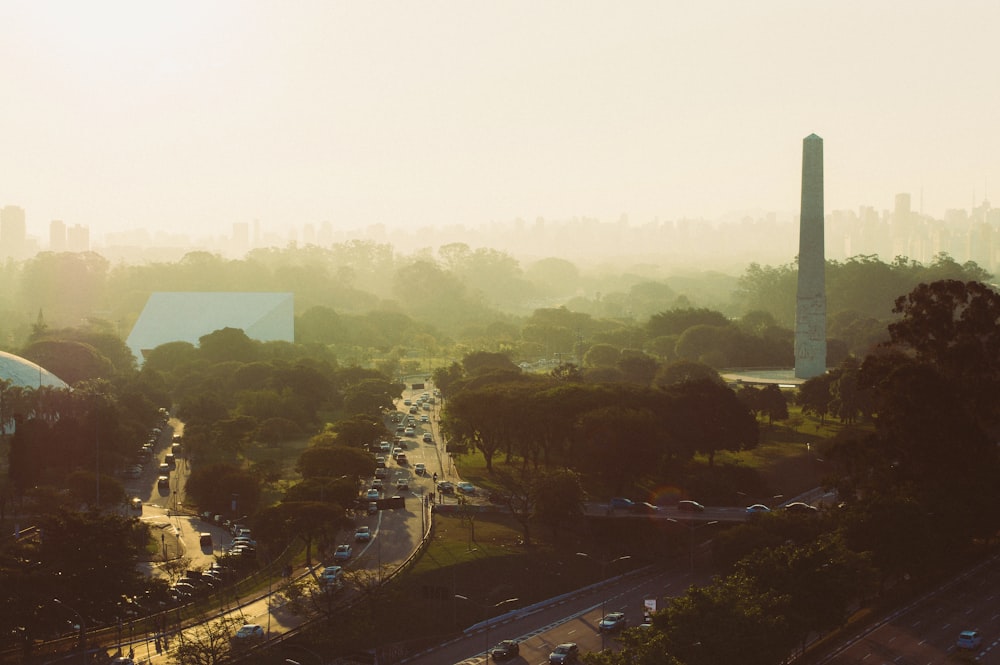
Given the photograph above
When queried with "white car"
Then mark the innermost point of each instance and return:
(250, 631)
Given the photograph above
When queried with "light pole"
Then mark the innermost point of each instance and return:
(319, 659)
(604, 596)
(82, 630)
(691, 528)
(486, 611)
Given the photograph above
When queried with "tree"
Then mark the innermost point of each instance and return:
(728, 621)
(601, 355)
(683, 371)
(677, 321)
(333, 461)
(310, 521)
(207, 643)
(558, 499)
(773, 403)
(359, 430)
(815, 397)
(955, 326)
(706, 417)
(370, 397)
(71, 361)
(616, 444)
(228, 344)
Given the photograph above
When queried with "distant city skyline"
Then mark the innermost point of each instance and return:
(677, 245)
(187, 117)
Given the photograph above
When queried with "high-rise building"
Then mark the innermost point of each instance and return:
(810, 304)
(78, 238)
(13, 235)
(57, 235)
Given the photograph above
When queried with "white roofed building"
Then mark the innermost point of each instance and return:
(186, 316)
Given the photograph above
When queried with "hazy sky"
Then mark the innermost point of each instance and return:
(193, 115)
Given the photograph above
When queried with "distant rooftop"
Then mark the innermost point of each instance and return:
(186, 316)
(784, 377)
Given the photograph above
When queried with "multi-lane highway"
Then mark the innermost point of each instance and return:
(925, 632)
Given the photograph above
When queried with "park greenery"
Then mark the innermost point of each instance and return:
(608, 393)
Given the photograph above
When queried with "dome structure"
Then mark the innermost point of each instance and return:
(24, 373)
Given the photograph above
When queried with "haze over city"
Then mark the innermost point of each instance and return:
(188, 118)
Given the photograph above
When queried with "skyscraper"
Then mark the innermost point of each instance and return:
(810, 304)
(12, 232)
(57, 235)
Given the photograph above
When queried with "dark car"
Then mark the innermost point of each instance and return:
(690, 506)
(564, 654)
(621, 502)
(505, 649)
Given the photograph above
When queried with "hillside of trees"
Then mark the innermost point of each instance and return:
(369, 302)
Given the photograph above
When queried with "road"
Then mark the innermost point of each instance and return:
(925, 631)
(570, 619)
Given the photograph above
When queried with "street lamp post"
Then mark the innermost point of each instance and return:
(489, 616)
(604, 596)
(691, 529)
(319, 658)
(82, 629)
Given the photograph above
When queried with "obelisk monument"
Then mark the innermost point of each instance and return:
(810, 304)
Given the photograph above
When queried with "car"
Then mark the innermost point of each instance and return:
(426, 407)
(384, 447)
(396, 451)
(445, 487)
(420, 468)
(372, 507)
(382, 472)
(401, 459)
(800, 507)
(163, 482)
(136, 503)
(377, 484)
(399, 431)
(969, 639)
(565, 653)
(330, 574)
(621, 502)
(466, 487)
(427, 438)
(244, 540)
(644, 507)
(413, 409)
(372, 494)
(408, 402)
(425, 419)
(164, 469)
(505, 649)
(343, 552)
(184, 588)
(402, 485)
(363, 534)
(380, 462)
(409, 431)
(757, 508)
(690, 506)
(250, 631)
(612, 621)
